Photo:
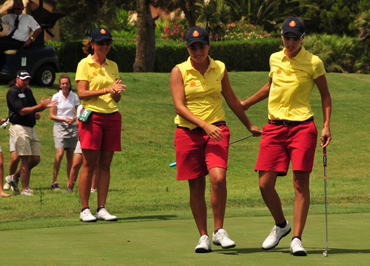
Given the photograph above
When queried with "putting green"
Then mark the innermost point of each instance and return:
(154, 240)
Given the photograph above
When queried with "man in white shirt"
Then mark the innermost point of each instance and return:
(20, 26)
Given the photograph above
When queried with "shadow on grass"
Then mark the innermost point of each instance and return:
(237, 251)
(150, 217)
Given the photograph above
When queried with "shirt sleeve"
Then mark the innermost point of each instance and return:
(32, 23)
(82, 71)
(319, 68)
(15, 104)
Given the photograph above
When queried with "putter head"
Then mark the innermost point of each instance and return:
(325, 253)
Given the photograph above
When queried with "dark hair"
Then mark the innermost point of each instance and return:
(64, 76)
(87, 47)
(12, 83)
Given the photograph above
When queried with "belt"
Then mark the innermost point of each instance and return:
(106, 113)
(217, 124)
(288, 123)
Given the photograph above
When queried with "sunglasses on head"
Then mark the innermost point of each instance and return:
(104, 42)
(294, 38)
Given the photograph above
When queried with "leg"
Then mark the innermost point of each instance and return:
(14, 161)
(57, 162)
(105, 160)
(69, 156)
(301, 181)
(2, 193)
(218, 195)
(87, 171)
(267, 181)
(27, 164)
(76, 165)
(198, 203)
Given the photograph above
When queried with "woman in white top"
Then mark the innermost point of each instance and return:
(65, 129)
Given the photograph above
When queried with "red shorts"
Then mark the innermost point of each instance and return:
(102, 132)
(196, 153)
(281, 144)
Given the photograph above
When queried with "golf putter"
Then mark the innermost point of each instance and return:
(174, 163)
(325, 253)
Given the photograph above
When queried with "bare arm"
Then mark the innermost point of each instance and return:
(178, 96)
(45, 103)
(235, 105)
(85, 93)
(322, 85)
(260, 95)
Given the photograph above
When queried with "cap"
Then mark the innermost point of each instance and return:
(197, 34)
(18, 4)
(23, 74)
(294, 25)
(100, 34)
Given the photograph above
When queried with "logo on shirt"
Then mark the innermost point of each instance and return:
(22, 95)
(95, 74)
(278, 71)
(192, 83)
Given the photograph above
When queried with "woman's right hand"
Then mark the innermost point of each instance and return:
(256, 131)
(214, 132)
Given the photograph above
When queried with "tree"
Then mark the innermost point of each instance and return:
(140, 60)
(334, 16)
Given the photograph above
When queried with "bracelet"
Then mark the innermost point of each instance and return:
(104, 90)
(205, 123)
(325, 126)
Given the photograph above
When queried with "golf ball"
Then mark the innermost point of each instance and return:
(325, 254)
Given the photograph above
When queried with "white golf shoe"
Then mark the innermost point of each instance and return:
(296, 248)
(104, 215)
(86, 216)
(276, 234)
(221, 238)
(204, 245)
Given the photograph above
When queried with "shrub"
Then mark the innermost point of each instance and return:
(176, 30)
(242, 31)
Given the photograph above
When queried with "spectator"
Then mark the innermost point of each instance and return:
(65, 129)
(77, 163)
(23, 110)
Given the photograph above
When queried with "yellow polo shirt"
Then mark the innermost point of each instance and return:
(202, 93)
(292, 84)
(98, 78)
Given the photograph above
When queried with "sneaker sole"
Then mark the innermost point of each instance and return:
(299, 253)
(108, 220)
(203, 250)
(89, 221)
(287, 233)
(224, 247)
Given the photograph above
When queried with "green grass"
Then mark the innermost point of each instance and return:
(143, 184)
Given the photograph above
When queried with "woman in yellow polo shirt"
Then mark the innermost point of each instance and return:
(99, 88)
(290, 134)
(202, 137)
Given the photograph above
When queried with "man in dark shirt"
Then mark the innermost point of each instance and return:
(23, 109)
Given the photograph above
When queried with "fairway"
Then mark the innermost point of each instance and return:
(160, 240)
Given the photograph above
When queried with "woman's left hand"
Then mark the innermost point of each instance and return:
(116, 88)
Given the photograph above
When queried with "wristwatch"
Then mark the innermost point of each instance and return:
(31, 38)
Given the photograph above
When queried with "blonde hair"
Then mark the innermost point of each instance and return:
(87, 47)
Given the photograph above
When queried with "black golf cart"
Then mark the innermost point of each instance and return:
(39, 60)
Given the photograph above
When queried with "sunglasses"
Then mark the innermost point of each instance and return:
(104, 42)
(17, 8)
(294, 38)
